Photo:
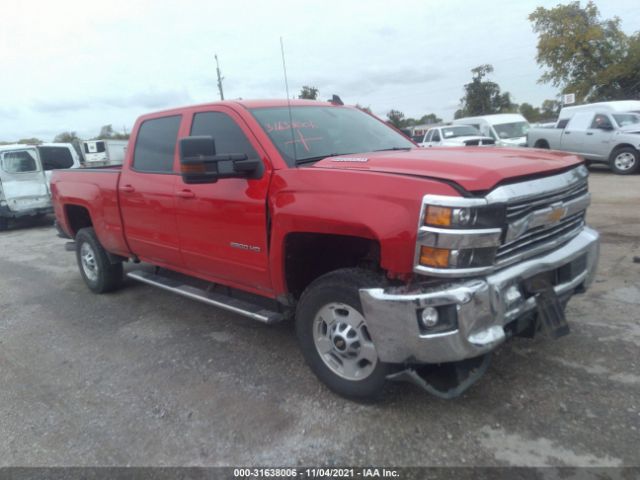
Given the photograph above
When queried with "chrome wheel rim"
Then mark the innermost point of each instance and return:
(88, 262)
(341, 338)
(625, 161)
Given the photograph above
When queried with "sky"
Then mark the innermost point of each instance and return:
(77, 65)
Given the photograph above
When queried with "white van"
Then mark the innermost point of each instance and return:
(507, 129)
(620, 106)
(98, 153)
(25, 171)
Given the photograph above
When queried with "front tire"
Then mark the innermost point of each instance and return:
(100, 275)
(334, 338)
(624, 161)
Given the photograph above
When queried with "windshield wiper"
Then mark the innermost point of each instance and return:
(392, 149)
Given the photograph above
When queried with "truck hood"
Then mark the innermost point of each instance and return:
(473, 168)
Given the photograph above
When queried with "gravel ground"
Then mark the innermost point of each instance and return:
(143, 377)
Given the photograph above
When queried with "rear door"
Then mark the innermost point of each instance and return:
(223, 225)
(23, 181)
(146, 192)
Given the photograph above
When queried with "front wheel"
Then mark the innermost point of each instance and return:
(334, 337)
(624, 161)
(97, 271)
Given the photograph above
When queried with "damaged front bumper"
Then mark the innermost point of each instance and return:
(477, 313)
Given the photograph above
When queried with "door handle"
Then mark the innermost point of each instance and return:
(567, 133)
(127, 189)
(589, 133)
(185, 194)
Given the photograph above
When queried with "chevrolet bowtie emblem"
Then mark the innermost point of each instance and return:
(557, 213)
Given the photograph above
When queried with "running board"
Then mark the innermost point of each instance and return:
(225, 302)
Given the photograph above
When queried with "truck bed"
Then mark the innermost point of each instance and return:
(96, 190)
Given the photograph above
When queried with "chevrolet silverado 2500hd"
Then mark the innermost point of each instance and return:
(396, 262)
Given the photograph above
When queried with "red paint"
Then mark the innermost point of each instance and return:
(189, 228)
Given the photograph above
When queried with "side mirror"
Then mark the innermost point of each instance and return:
(200, 164)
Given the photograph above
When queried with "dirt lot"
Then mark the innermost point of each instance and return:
(143, 377)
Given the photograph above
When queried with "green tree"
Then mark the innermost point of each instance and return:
(483, 97)
(531, 113)
(364, 109)
(30, 141)
(586, 55)
(550, 109)
(429, 118)
(66, 137)
(309, 93)
(395, 118)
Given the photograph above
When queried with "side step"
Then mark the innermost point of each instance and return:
(225, 302)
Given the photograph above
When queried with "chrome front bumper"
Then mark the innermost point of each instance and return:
(484, 306)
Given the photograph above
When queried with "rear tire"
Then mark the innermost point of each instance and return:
(624, 161)
(100, 275)
(333, 334)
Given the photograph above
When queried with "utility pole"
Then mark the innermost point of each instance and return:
(220, 78)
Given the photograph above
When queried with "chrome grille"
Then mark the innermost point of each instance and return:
(541, 238)
(522, 208)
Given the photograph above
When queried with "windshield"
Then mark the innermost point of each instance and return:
(626, 119)
(461, 131)
(512, 130)
(320, 132)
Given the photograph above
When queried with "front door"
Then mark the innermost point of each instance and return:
(24, 184)
(223, 225)
(146, 193)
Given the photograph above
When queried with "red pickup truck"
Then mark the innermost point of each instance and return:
(396, 262)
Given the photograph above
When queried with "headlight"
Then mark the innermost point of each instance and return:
(458, 234)
(464, 217)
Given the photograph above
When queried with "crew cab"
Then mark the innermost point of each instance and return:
(454, 136)
(598, 135)
(397, 263)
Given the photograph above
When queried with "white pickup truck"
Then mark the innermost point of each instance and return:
(598, 136)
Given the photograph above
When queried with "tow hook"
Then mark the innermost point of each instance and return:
(445, 380)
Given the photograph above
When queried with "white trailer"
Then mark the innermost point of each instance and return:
(98, 153)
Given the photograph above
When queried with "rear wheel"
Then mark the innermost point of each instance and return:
(334, 336)
(97, 271)
(624, 161)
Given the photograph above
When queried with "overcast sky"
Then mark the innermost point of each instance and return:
(68, 65)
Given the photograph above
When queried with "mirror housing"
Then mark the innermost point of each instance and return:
(200, 164)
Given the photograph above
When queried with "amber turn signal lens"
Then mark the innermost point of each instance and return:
(434, 257)
(439, 216)
(197, 168)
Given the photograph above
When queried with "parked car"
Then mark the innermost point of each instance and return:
(454, 136)
(597, 135)
(99, 153)
(25, 171)
(398, 263)
(507, 129)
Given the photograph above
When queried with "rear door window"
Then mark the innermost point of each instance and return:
(21, 161)
(436, 136)
(55, 157)
(580, 121)
(156, 145)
